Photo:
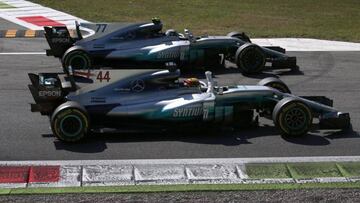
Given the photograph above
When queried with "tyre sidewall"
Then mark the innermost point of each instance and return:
(240, 57)
(58, 119)
(281, 111)
(69, 57)
(279, 86)
(275, 83)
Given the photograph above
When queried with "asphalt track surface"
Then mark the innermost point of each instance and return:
(6, 25)
(27, 136)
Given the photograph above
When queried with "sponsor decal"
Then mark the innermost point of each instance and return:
(60, 40)
(98, 99)
(189, 112)
(50, 93)
(121, 89)
(168, 54)
(183, 51)
(137, 85)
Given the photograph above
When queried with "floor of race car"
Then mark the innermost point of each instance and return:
(26, 136)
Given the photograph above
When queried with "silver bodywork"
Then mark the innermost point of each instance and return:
(148, 96)
(120, 45)
(174, 102)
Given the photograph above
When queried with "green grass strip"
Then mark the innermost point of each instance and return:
(330, 19)
(350, 169)
(303, 170)
(175, 188)
(258, 171)
(5, 191)
(314, 170)
(4, 5)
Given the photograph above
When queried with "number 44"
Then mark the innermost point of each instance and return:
(102, 76)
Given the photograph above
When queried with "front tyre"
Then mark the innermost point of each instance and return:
(250, 58)
(292, 117)
(275, 83)
(70, 124)
(77, 59)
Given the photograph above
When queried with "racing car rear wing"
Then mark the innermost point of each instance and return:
(49, 90)
(59, 39)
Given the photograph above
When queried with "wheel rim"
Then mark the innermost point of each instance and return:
(78, 62)
(295, 118)
(252, 60)
(71, 125)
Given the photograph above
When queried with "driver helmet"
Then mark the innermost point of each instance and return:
(192, 82)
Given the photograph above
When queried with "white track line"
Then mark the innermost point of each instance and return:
(26, 8)
(306, 44)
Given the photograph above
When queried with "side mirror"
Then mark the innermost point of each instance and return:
(221, 90)
(189, 35)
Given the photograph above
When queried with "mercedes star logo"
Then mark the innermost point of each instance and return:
(138, 85)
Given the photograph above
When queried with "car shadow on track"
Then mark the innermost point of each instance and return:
(97, 142)
(86, 146)
(323, 137)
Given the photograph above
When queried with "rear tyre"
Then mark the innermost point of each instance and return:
(276, 84)
(250, 58)
(70, 124)
(77, 59)
(292, 117)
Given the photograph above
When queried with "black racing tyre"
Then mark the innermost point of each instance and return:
(70, 124)
(250, 58)
(77, 59)
(292, 117)
(240, 35)
(275, 83)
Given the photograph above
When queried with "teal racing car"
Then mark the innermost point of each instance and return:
(145, 45)
(159, 99)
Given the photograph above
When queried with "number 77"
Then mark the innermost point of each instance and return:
(99, 26)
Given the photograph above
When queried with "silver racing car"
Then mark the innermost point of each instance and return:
(132, 44)
(160, 99)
